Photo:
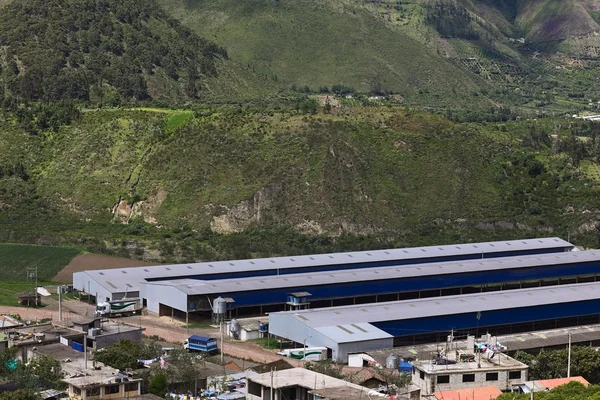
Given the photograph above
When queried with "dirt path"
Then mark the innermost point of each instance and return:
(170, 331)
(96, 261)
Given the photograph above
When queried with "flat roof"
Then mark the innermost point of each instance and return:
(301, 377)
(129, 279)
(307, 279)
(446, 305)
(481, 363)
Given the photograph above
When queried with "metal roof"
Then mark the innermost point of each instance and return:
(308, 279)
(300, 294)
(353, 332)
(447, 305)
(129, 279)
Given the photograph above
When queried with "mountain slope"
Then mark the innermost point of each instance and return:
(325, 43)
(556, 20)
(103, 51)
(115, 175)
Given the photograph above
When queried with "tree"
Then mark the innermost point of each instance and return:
(185, 367)
(20, 394)
(393, 379)
(47, 368)
(7, 361)
(125, 353)
(327, 367)
(159, 383)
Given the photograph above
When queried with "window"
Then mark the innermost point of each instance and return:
(112, 389)
(443, 379)
(76, 391)
(491, 376)
(93, 392)
(514, 375)
(469, 378)
(421, 374)
(131, 387)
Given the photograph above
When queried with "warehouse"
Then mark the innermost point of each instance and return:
(113, 284)
(335, 288)
(359, 328)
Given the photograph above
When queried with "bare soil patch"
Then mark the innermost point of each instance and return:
(85, 262)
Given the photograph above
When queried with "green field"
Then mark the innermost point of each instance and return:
(16, 258)
(10, 289)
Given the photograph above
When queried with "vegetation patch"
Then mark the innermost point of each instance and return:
(15, 259)
(10, 289)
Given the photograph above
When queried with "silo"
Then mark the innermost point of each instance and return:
(391, 362)
(234, 328)
(219, 309)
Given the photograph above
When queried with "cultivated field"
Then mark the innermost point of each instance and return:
(95, 261)
(16, 258)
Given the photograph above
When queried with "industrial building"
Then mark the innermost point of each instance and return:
(354, 329)
(370, 285)
(114, 284)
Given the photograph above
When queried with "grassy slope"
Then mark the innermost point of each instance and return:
(323, 43)
(551, 20)
(16, 258)
(372, 171)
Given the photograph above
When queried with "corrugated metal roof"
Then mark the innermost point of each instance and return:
(344, 333)
(306, 280)
(134, 276)
(479, 393)
(447, 305)
(552, 383)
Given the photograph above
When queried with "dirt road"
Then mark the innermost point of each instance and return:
(163, 328)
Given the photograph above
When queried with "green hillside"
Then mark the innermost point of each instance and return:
(49, 260)
(125, 181)
(324, 43)
(104, 52)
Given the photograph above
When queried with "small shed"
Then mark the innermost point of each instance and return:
(297, 301)
(30, 298)
(250, 328)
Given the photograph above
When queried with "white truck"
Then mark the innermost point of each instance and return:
(118, 308)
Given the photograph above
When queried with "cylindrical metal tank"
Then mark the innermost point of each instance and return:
(219, 306)
(391, 362)
(234, 325)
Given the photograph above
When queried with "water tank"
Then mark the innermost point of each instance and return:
(219, 306)
(391, 362)
(234, 325)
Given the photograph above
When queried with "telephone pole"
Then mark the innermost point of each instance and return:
(32, 274)
(569, 358)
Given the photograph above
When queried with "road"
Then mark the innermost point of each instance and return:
(164, 328)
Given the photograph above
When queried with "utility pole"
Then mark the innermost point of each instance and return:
(271, 391)
(569, 358)
(85, 349)
(32, 273)
(59, 303)
(222, 342)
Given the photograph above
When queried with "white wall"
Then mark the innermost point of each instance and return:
(157, 293)
(286, 326)
(85, 283)
(429, 384)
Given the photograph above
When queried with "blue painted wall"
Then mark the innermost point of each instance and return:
(489, 318)
(374, 287)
